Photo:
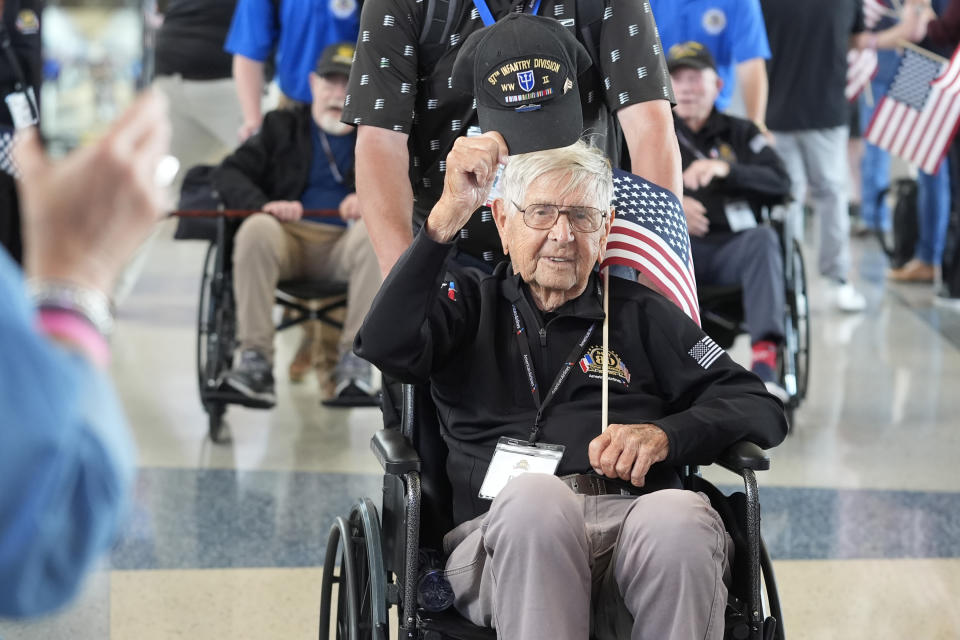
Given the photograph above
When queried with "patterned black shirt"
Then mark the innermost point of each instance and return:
(390, 89)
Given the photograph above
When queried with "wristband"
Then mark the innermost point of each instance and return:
(761, 126)
(75, 329)
(91, 304)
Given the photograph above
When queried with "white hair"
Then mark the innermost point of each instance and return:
(588, 169)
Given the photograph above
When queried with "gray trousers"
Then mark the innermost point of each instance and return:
(816, 159)
(547, 563)
(753, 260)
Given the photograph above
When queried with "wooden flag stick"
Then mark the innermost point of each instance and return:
(926, 52)
(605, 401)
(868, 94)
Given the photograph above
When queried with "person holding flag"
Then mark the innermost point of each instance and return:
(944, 32)
(519, 379)
(901, 120)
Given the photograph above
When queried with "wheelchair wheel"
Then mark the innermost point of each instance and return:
(800, 310)
(216, 329)
(771, 592)
(361, 602)
(795, 352)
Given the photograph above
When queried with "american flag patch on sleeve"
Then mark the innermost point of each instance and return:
(706, 352)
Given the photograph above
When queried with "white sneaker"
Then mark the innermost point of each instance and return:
(848, 299)
(947, 302)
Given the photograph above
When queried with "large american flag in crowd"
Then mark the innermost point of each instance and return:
(917, 118)
(649, 233)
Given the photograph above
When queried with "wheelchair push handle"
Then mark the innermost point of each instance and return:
(245, 213)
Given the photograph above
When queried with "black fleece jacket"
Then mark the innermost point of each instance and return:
(465, 344)
(757, 174)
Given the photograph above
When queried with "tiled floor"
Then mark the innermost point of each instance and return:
(861, 507)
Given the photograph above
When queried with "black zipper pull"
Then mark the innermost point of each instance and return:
(543, 336)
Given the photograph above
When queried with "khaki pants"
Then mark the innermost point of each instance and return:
(267, 251)
(545, 562)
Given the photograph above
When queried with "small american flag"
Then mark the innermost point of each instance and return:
(917, 118)
(649, 234)
(861, 68)
(874, 11)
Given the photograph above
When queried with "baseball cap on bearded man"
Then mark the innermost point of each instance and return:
(523, 72)
(336, 59)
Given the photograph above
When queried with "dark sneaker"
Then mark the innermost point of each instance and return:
(353, 383)
(253, 377)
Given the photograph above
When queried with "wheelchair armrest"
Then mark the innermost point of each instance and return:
(744, 455)
(395, 454)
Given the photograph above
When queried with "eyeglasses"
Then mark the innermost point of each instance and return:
(544, 216)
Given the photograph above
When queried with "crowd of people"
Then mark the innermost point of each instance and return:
(377, 168)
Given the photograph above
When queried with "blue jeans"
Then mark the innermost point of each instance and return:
(875, 165)
(933, 213)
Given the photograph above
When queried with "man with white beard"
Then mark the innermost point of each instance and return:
(301, 161)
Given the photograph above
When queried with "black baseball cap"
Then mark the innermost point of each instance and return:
(523, 72)
(335, 59)
(691, 54)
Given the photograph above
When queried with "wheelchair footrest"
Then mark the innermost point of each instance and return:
(450, 625)
(352, 401)
(229, 396)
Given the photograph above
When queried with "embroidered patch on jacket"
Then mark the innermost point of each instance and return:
(706, 352)
(451, 290)
(592, 364)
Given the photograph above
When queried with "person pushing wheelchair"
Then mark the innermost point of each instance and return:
(512, 361)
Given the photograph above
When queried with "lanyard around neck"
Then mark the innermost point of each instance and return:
(686, 142)
(533, 6)
(331, 159)
(558, 381)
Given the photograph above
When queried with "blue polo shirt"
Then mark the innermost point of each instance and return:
(299, 28)
(733, 30)
(324, 190)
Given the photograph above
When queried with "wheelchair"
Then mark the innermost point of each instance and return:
(721, 312)
(376, 559)
(203, 217)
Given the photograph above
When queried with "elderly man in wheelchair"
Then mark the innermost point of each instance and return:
(729, 171)
(565, 527)
(301, 160)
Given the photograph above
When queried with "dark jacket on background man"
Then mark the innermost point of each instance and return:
(757, 174)
(453, 326)
(273, 164)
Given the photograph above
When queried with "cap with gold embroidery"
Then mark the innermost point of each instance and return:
(336, 59)
(523, 72)
(690, 54)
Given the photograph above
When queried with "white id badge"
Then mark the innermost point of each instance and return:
(740, 216)
(19, 105)
(512, 458)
